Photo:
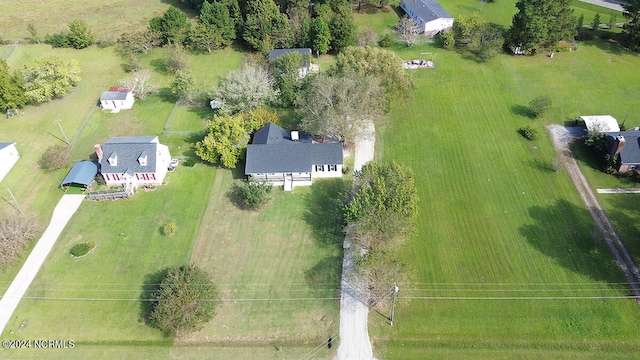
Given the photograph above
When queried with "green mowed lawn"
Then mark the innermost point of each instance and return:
(96, 299)
(278, 269)
(496, 220)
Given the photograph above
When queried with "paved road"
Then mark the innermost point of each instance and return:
(562, 137)
(354, 335)
(61, 215)
(609, 4)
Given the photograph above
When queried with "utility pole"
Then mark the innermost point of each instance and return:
(393, 302)
(16, 201)
(57, 121)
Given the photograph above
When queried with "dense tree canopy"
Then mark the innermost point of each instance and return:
(266, 28)
(217, 18)
(185, 301)
(227, 136)
(341, 108)
(49, 77)
(380, 63)
(245, 89)
(12, 92)
(286, 72)
(539, 23)
(172, 26)
(632, 27)
(476, 35)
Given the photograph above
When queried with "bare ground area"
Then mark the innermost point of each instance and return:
(562, 136)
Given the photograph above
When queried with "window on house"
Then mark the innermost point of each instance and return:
(319, 167)
(333, 167)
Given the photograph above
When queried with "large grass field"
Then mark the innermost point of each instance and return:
(499, 229)
(498, 226)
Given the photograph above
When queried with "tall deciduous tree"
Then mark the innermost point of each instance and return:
(141, 83)
(185, 301)
(12, 92)
(631, 28)
(176, 58)
(286, 72)
(227, 136)
(409, 30)
(49, 77)
(476, 35)
(16, 231)
(245, 89)
(341, 107)
(380, 63)
(540, 23)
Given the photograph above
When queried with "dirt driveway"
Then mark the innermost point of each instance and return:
(562, 137)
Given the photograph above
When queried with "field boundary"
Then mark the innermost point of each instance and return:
(561, 137)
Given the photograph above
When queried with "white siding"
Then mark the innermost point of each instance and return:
(8, 157)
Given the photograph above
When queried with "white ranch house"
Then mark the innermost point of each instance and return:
(429, 15)
(136, 160)
(117, 98)
(291, 158)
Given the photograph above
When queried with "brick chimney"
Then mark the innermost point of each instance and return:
(620, 142)
(98, 150)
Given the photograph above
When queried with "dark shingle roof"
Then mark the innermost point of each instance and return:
(276, 53)
(128, 150)
(274, 134)
(273, 151)
(630, 153)
(427, 10)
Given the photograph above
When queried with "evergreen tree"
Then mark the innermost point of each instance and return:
(320, 36)
(343, 28)
(632, 28)
(265, 27)
(217, 15)
(172, 26)
(595, 24)
(12, 93)
(539, 23)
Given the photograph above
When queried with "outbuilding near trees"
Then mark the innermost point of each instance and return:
(429, 15)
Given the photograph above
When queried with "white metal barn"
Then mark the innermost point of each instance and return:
(429, 14)
(8, 157)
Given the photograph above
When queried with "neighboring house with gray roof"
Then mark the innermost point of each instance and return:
(117, 98)
(625, 146)
(429, 15)
(8, 157)
(291, 158)
(137, 160)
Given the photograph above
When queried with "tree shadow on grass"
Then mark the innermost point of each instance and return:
(522, 110)
(324, 212)
(150, 286)
(583, 153)
(625, 218)
(567, 233)
(326, 275)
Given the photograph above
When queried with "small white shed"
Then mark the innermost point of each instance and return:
(117, 98)
(8, 157)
